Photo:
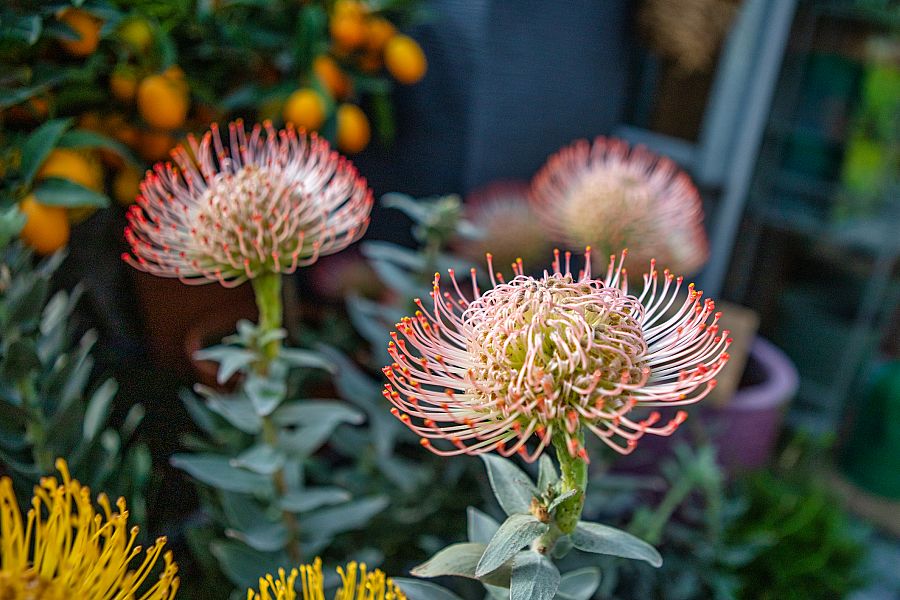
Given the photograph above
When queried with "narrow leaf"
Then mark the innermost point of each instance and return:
(602, 539)
(97, 411)
(512, 487)
(218, 472)
(38, 146)
(547, 474)
(579, 584)
(481, 527)
(514, 533)
(313, 498)
(534, 577)
(423, 590)
(54, 191)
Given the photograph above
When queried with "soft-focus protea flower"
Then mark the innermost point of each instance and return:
(503, 214)
(64, 549)
(356, 584)
(267, 202)
(545, 357)
(610, 196)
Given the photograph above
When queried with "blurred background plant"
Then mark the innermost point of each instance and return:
(52, 403)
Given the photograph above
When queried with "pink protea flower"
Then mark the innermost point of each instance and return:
(268, 202)
(537, 358)
(503, 212)
(610, 196)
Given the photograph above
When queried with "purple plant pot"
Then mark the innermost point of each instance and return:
(744, 431)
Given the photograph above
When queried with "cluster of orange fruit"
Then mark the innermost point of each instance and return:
(367, 42)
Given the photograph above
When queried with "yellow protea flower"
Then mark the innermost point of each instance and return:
(357, 583)
(64, 549)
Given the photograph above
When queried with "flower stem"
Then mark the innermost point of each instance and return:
(267, 288)
(574, 477)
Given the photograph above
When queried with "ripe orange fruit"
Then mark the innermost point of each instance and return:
(348, 30)
(126, 185)
(79, 167)
(90, 121)
(155, 145)
(86, 25)
(137, 33)
(46, 228)
(353, 8)
(331, 76)
(163, 101)
(33, 110)
(123, 84)
(353, 130)
(305, 108)
(378, 32)
(405, 59)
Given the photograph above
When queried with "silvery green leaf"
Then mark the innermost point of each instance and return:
(326, 522)
(514, 533)
(305, 358)
(312, 498)
(399, 255)
(547, 474)
(265, 537)
(602, 539)
(218, 472)
(265, 393)
(534, 577)
(579, 584)
(560, 499)
(401, 281)
(496, 592)
(230, 358)
(97, 411)
(416, 589)
(456, 559)
(300, 413)
(481, 527)
(304, 441)
(243, 564)
(512, 487)
(262, 459)
(200, 414)
(243, 511)
(237, 410)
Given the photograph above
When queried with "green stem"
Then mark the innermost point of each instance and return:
(267, 288)
(674, 497)
(574, 477)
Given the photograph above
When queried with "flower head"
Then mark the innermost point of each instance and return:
(545, 357)
(610, 196)
(356, 584)
(268, 202)
(64, 549)
(503, 213)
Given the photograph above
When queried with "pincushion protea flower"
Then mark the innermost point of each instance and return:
(611, 196)
(503, 212)
(268, 202)
(66, 550)
(544, 358)
(356, 584)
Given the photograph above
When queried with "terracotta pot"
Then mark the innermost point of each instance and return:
(179, 319)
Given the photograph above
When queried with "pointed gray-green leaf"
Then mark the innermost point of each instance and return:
(579, 584)
(423, 590)
(560, 499)
(547, 474)
(481, 527)
(262, 459)
(313, 498)
(514, 533)
(265, 537)
(217, 471)
(265, 393)
(243, 564)
(460, 560)
(333, 520)
(230, 359)
(534, 577)
(602, 539)
(305, 358)
(237, 410)
(512, 487)
(300, 413)
(97, 411)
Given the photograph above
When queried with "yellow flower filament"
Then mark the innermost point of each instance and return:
(64, 549)
(356, 584)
